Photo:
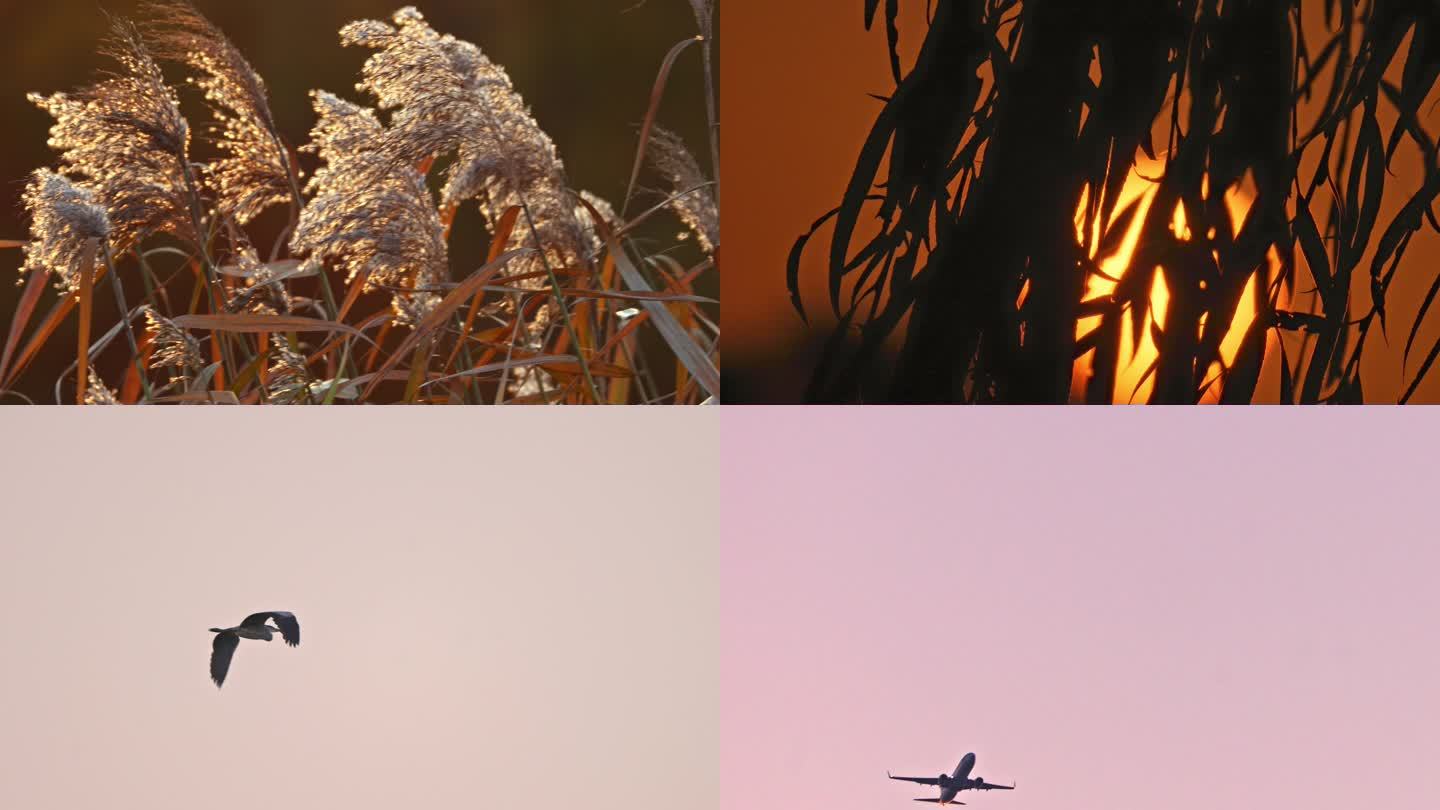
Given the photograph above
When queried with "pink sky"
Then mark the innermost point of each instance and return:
(1170, 610)
(479, 627)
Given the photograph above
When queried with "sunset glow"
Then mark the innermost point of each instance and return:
(1131, 384)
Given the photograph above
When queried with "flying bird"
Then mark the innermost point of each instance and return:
(254, 626)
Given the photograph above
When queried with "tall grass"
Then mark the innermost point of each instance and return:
(995, 176)
(359, 298)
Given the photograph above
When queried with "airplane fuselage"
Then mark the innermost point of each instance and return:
(950, 787)
(952, 784)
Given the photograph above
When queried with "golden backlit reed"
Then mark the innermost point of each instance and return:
(558, 313)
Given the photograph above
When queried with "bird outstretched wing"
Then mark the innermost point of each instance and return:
(285, 620)
(220, 654)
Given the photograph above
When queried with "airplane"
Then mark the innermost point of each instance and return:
(954, 783)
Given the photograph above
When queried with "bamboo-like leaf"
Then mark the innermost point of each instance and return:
(636, 295)
(1239, 384)
(47, 327)
(1420, 375)
(280, 270)
(570, 365)
(656, 93)
(1287, 378)
(1115, 232)
(491, 368)
(695, 358)
(1314, 250)
(1419, 319)
(443, 310)
(253, 323)
(87, 309)
(34, 287)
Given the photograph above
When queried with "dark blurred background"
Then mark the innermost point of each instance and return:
(586, 67)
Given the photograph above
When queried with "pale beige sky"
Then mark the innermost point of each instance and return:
(481, 627)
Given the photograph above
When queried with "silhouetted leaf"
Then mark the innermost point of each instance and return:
(1314, 249)
(1301, 321)
(1419, 319)
(1221, 83)
(1114, 234)
(1244, 373)
(1287, 379)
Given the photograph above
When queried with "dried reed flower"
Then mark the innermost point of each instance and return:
(289, 380)
(446, 97)
(64, 218)
(369, 217)
(256, 171)
(98, 393)
(691, 197)
(173, 348)
(265, 291)
(125, 138)
(530, 381)
(587, 221)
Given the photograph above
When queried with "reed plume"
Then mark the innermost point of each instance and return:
(591, 235)
(690, 195)
(445, 97)
(370, 216)
(65, 218)
(173, 349)
(289, 381)
(373, 219)
(98, 393)
(264, 291)
(126, 140)
(255, 171)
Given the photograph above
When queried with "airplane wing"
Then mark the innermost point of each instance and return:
(987, 786)
(919, 780)
(937, 801)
